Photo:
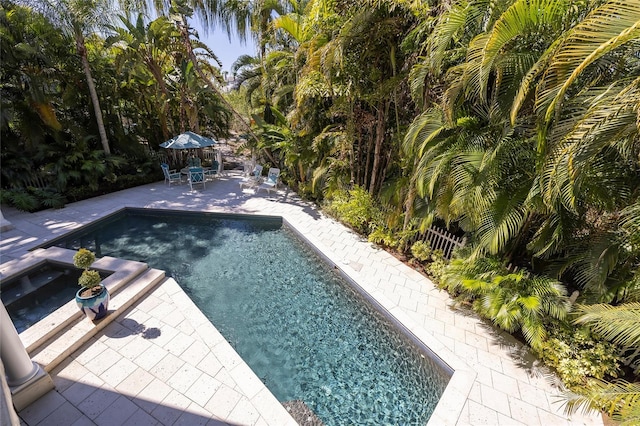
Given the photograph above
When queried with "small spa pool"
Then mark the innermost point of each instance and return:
(302, 328)
(39, 291)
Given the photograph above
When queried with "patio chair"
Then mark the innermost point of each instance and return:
(271, 183)
(212, 173)
(254, 179)
(170, 176)
(248, 167)
(196, 176)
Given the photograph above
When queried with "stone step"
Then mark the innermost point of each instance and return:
(62, 344)
(301, 413)
(122, 272)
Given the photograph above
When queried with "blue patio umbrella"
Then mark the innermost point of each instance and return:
(188, 140)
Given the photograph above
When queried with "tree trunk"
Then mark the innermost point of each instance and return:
(350, 133)
(156, 71)
(366, 180)
(82, 51)
(357, 138)
(408, 204)
(385, 168)
(377, 152)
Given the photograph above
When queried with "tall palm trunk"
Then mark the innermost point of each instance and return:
(156, 71)
(82, 51)
(408, 203)
(377, 151)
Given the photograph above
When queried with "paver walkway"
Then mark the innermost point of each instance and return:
(505, 387)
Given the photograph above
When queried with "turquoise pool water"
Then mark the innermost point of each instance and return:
(301, 328)
(55, 285)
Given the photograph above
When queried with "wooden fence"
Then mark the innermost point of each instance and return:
(35, 180)
(441, 239)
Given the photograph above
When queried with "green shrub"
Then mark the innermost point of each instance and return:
(356, 208)
(384, 237)
(514, 301)
(32, 199)
(80, 193)
(437, 266)
(22, 200)
(50, 198)
(83, 259)
(421, 250)
(89, 279)
(576, 355)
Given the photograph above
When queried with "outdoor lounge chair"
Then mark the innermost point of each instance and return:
(271, 183)
(248, 167)
(254, 179)
(170, 176)
(196, 176)
(213, 171)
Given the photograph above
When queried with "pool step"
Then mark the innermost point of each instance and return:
(121, 271)
(61, 345)
(301, 413)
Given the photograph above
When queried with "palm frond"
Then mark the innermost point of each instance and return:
(630, 224)
(422, 131)
(620, 399)
(503, 221)
(619, 324)
(605, 29)
(521, 17)
(530, 77)
(450, 24)
(292, 23)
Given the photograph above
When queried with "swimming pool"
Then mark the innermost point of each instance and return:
(304, 331)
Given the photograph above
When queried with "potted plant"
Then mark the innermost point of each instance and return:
(93, 297)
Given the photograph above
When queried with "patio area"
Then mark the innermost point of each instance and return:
(161, 362)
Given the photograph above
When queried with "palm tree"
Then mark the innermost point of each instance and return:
(488, 58)
(78, 18)
(148, 45)
(179, 14)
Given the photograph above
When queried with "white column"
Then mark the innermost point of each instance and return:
(219, 160)
(18, 366)
(5, 225)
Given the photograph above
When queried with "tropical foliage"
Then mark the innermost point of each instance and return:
(578, 356)
(515, 301)
(514, 122)
(56, 146)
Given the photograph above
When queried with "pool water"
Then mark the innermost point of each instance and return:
(36, 293)
(300, 327)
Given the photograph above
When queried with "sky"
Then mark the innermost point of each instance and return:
(218, 41)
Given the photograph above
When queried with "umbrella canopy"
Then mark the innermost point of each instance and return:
(188, 140)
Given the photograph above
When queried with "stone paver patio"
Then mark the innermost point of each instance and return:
(163, 363)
